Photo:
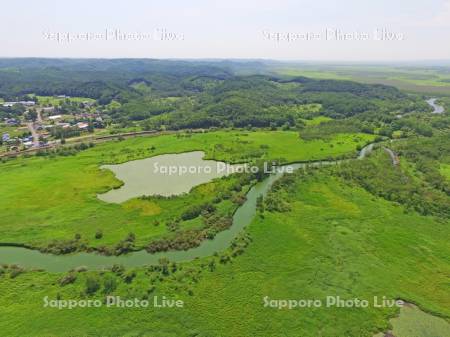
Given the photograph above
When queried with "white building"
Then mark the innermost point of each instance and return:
(9, 104)
(25, 103)
(82, 125)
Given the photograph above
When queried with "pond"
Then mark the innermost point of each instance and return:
(414, 322)
(165, 175)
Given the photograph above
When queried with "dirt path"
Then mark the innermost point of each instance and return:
(34, 134)
(39, 116)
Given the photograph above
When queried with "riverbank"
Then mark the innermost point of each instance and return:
(241, 218)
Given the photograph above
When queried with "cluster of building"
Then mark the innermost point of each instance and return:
(24, 103)
(46, 120)
(15, 142)
(12, 122)
(82, 125)
(65, 125)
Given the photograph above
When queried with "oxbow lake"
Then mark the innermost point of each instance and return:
(165, 175)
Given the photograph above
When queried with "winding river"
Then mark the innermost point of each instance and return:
(438, 109)
(34, 259)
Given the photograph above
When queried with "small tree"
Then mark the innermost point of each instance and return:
(98, 234)
(118, 269)
(131, 237)
(109, 285)
(164, 264)
(129, 276)
(67, 279)
(92, 285)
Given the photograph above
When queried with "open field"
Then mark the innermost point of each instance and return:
(55, 197)
(55, 101)
(13, 131)
(316, 120)
(414, 79)
(311, 73)
(336, 240)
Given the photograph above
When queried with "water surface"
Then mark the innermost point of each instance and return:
(438, 109)
(413, 322)
(166, 175)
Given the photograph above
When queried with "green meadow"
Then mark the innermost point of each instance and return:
(55, 101)
(420, 79)
(445, 170)
(13, 131)
(316, 120)
(333, 240)
(55, 197)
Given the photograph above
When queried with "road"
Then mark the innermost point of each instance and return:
(34, 134)
(39, 116)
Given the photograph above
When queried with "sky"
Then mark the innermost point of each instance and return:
(311, 30)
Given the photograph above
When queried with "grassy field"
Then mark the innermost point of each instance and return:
(142, 87)
(337, 240)
(56, 197)
(445, 170)
(414, 79)
(55, 101)
(312, 73)
(13, 131)
(316, 120)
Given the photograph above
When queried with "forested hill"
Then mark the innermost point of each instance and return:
(98, 78)
(263, 101)
(199, 94)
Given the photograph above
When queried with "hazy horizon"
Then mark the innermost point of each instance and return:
(412, 62)
(286, 30)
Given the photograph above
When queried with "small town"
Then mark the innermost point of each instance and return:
(41, 121)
